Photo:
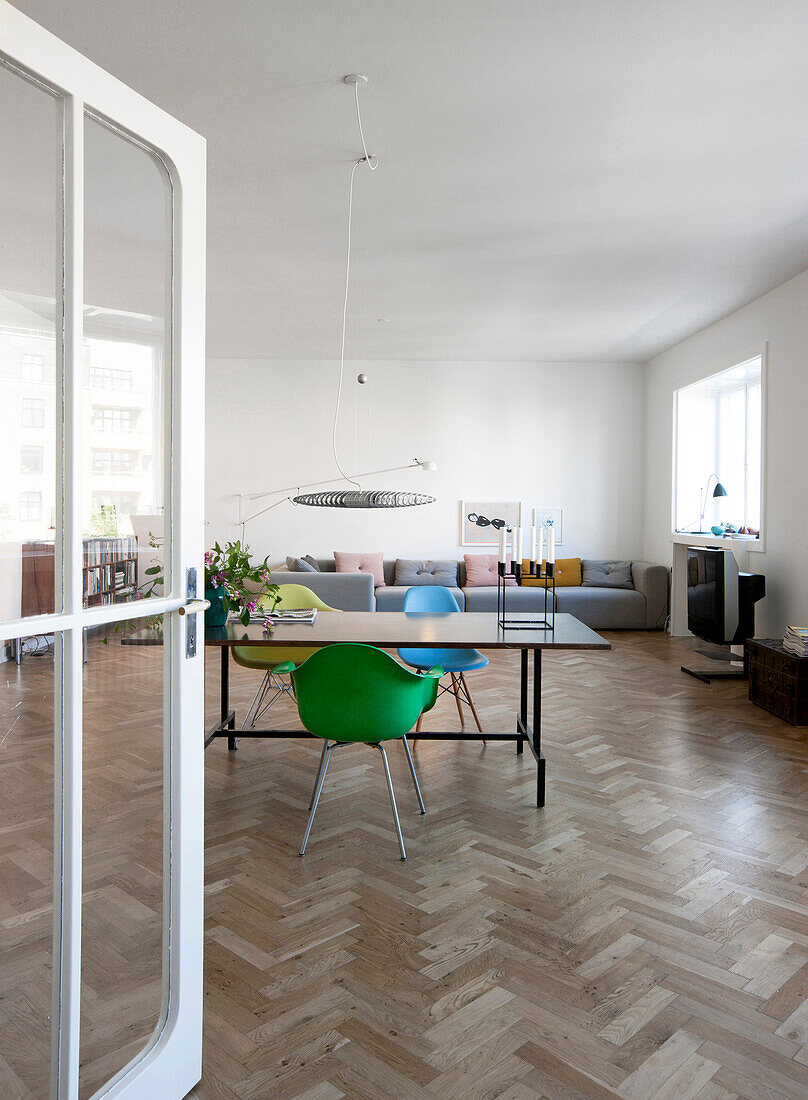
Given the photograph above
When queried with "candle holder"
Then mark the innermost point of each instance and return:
(534, 571)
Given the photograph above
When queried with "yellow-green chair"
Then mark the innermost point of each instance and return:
(266, 658)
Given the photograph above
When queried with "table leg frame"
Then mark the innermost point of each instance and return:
(529, 732)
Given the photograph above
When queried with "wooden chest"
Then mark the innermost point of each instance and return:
(778, 681)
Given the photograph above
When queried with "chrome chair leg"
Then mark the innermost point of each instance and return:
(401, 848)
(414, 776)
(319, 773)
(317, 793)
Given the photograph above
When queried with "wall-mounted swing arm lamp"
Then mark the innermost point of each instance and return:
(718, 491)
(417, 463)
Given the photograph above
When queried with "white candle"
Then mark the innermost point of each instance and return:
(503, 542)
(551, 544)
(517, 545)
(533, 534)
(540, 546)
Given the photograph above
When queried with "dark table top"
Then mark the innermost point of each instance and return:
(389, 629)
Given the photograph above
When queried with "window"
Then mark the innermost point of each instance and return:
(30, 507)
(31, 459)
(110, 378)
(719, 429)
(114, 462)
(33, 368)
(33, 412)
(105, 419)
(125, 504)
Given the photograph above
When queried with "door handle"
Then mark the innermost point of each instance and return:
(193, 607)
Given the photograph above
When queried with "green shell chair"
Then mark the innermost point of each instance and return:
(356, 694)
(267, 658)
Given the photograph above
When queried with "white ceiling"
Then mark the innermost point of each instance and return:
(559, 179)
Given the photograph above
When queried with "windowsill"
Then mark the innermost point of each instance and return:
(693, 538)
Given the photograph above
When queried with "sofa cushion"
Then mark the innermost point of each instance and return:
(604, 608)
(481, 571)
(300, 565)
(411, 572)
(567, 574)
(391, 597)
(309, 560)
(480, 598)
(606, 574)
(361, 563)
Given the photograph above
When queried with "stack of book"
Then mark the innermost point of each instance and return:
(795, 640)
(301, 615)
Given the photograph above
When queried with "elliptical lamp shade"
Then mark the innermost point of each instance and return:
(369, 498)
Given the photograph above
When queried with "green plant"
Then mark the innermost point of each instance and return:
(243, 584)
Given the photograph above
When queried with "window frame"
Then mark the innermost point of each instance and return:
(40, 451)
(30, 496)
(728, 363)
(32, 404)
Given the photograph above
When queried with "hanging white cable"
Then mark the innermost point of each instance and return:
(342, 342)
(368, 160)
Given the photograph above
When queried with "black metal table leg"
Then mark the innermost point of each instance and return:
(225, 698)
(520, 741)
(540, 762)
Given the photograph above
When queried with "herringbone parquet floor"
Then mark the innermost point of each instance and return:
(645, 935)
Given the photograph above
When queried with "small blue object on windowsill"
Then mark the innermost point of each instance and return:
(717, 529)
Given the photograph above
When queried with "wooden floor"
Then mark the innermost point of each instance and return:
(645, 935)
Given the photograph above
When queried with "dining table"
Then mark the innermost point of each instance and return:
(422, 630)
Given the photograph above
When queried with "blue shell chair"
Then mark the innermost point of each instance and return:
(455, 662)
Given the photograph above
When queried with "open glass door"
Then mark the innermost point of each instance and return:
(101, 492)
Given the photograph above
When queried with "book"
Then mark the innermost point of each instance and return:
(795, 640)
(299, 615)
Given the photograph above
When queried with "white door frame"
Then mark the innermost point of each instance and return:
(170, 1064)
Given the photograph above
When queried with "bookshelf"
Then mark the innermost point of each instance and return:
(109, 573)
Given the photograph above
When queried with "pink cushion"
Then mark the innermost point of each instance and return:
(481, 570)
(361, 563)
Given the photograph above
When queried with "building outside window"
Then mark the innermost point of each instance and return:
(110, 378)
(125, 504)
(108, 419)
(30, 507)
(719, 434)
(31, 459)
(33, 412)
(33, 368)
(113, 462)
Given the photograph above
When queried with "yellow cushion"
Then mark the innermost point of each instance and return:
(567, 573)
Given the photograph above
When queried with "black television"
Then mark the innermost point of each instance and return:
(720, 599)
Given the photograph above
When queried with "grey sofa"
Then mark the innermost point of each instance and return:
(645, 607)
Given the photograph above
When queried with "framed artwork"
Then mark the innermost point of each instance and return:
(481, 520)
(555, 514)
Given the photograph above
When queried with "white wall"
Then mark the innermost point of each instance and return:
(780, 320)
(559, 435)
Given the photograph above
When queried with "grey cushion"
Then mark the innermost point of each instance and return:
(410, 572)
(606, 574)
(300, 565)
(391, 598)
(309, 560)
(346, 591)
(604, 608)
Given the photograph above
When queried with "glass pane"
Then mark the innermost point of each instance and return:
(30, 317)
(26, 865)
(126, 365)
(122, 914)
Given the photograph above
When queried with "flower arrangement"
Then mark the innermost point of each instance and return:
(239, 585)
